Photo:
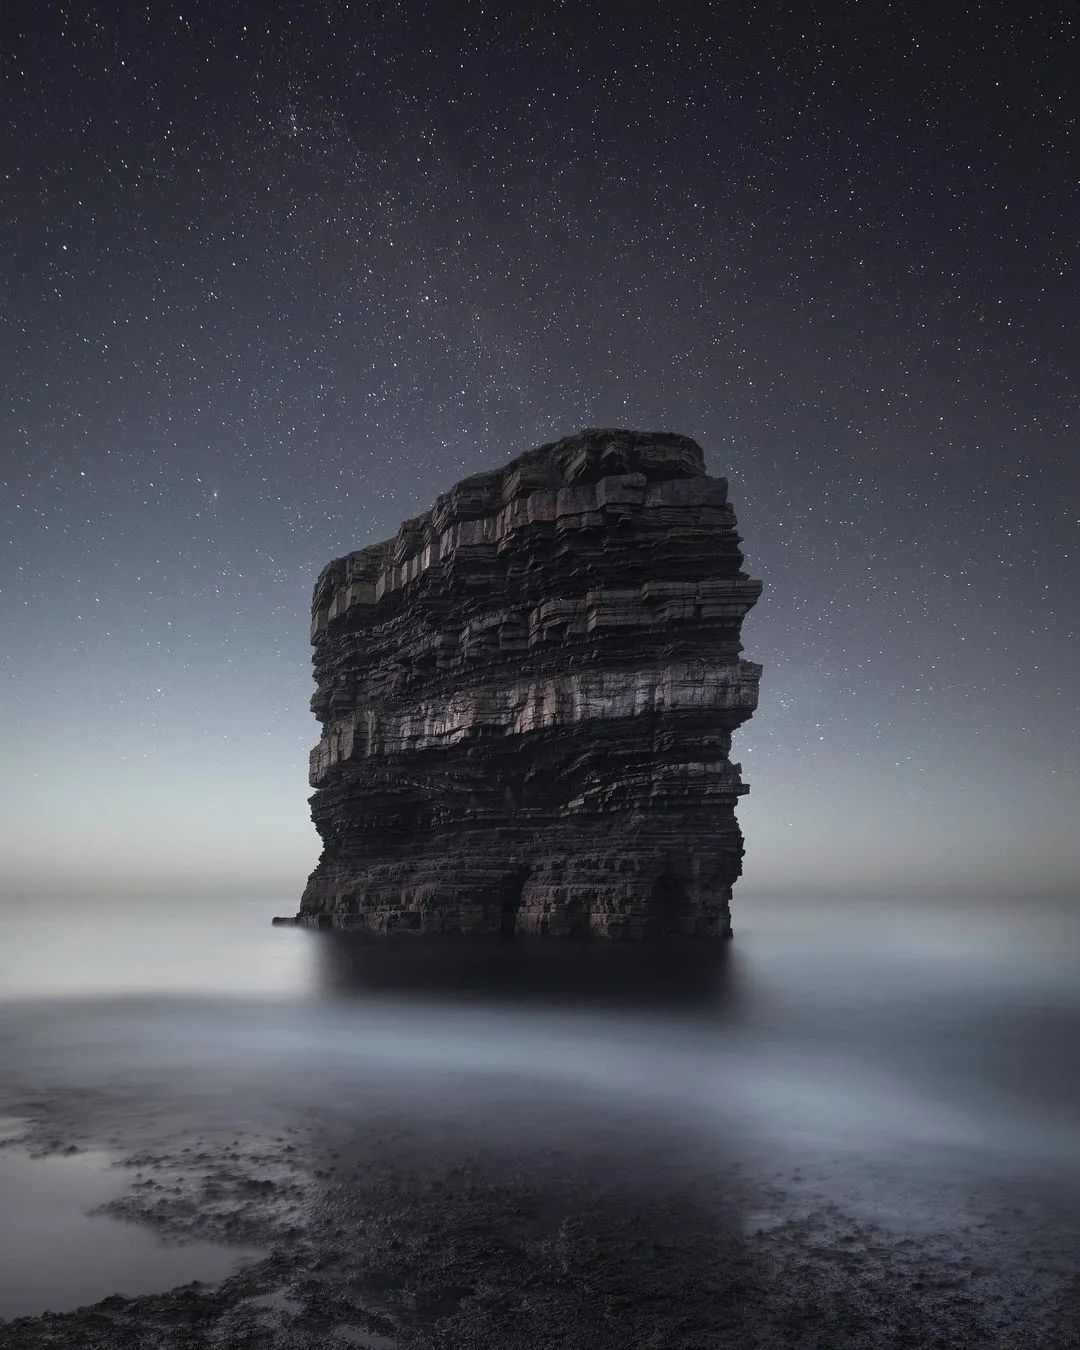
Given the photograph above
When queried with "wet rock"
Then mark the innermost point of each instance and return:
(527, 699)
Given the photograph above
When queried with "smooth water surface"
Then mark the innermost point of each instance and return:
(56, 1253)
(914, 1061)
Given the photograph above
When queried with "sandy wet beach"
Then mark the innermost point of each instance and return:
(441, 1150)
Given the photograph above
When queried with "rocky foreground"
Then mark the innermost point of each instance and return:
(392, 1240)
(527, 699)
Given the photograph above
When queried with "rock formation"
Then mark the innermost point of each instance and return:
(527, 699)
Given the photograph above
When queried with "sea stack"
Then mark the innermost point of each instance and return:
(527, 699)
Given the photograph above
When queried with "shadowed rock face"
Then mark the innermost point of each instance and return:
(527, 699)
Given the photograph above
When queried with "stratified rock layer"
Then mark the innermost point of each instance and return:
(527, 699)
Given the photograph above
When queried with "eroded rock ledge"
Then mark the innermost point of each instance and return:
(527, 699)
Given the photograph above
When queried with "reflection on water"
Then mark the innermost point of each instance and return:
(536, 971)
(911, 1058)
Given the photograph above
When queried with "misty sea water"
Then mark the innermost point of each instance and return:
(912, 1061)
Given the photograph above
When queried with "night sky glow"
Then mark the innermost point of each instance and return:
(275, 275)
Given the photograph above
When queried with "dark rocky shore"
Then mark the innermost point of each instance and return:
(390, 1237)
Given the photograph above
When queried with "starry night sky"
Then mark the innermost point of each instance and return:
(275, 275)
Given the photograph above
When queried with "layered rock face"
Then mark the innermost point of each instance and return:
(527, 699)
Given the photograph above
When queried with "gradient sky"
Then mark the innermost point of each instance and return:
(275, 275)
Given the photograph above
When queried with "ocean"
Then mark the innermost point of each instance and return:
(910, 1064)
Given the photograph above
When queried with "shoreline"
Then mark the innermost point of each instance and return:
(392, 1236)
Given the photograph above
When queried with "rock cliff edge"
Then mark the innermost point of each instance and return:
(527, 699)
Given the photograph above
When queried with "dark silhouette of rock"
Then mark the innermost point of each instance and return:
(527, 699)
